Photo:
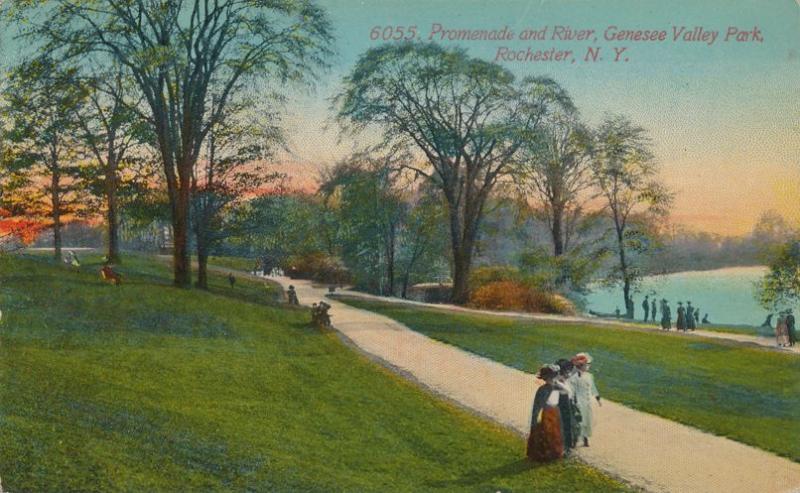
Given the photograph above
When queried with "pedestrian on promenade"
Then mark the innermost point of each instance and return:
(666, 315)
(690, 325)
(653, 309)
(646, 308)
(545, 442)
(585, 393)
(790, 325)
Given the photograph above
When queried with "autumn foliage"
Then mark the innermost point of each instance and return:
(22, 230)
(517, 296)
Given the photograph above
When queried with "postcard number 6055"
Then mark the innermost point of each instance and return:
(393, 33)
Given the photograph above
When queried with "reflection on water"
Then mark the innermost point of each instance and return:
(727, 295)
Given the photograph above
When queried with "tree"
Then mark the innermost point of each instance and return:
(553, 171)
(780, 287)
(232, 169)
(111, 130)
(42, 102)
(625, 172)
(466, 116)
(371, 209)
(175, 52)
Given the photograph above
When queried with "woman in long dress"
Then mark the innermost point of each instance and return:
(680, 324)
(585, 392)
(782, 330)
(545, 440)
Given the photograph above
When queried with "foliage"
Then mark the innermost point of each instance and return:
(178, 55)
(43, 168)
(318, 267)
(272, 406)
(465, 116)
(484, 275)
(625, 173)
(743, 393)
(518, 296)
(780, 287)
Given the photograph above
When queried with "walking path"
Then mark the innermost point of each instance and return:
(767, 342)
(650, 452)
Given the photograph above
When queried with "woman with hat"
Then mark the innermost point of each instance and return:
(585, 392)
(680, 324)
(545, 441)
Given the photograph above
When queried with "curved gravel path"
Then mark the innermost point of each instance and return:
(648, 451)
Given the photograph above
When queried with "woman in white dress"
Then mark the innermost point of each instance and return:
(585, 392)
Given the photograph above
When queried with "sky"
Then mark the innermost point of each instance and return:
(724, 117)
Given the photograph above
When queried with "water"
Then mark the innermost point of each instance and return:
(727, 295)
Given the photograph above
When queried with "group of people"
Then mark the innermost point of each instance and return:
(785, 331)
(688, 317)
(562, 409)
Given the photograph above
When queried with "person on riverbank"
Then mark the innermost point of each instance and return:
(545, 441)
(680, 323)
(705, 319)
(653, 309)
(646, 308)
(696, 316)
(666, 315)
(690, 325)
(585, 393)
(790, 325)
(782, 330)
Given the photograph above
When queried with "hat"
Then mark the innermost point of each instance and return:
(548, 371)
(581, 359)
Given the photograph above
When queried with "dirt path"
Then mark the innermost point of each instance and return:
(651, 452)
(766, 342)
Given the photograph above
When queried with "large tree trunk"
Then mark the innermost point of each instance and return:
(113, 225)
(55, 198)
(626, 282)
(202, 262)
(181, 257)
(557, 231)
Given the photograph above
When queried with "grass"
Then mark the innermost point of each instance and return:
(145, 387)
(748, 394)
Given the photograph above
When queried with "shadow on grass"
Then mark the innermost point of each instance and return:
(481, 477)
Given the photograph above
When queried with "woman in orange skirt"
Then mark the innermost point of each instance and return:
(545, 442)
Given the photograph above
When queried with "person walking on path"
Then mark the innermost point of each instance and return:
(566, 404)
(680, 323)
(585, 393)
(690, 325)
(291, 294)
(666, 315)
(653, 309)
(545, 441)
(790, 325)
(646, 308)
(782, 330)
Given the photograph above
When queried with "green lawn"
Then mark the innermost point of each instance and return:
(144, 387)
(748, 394)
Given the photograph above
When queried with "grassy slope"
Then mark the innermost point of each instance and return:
(144, 387)
(751, 395)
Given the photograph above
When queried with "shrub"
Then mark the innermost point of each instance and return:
(317, 267)
(484, 275)
(517, 296)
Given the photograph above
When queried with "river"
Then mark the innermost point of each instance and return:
(727, 295)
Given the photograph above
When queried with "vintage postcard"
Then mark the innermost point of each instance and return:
(399, 246)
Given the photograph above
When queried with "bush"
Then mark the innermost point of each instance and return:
(484, 275)
(517, 296)
(317, 267)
